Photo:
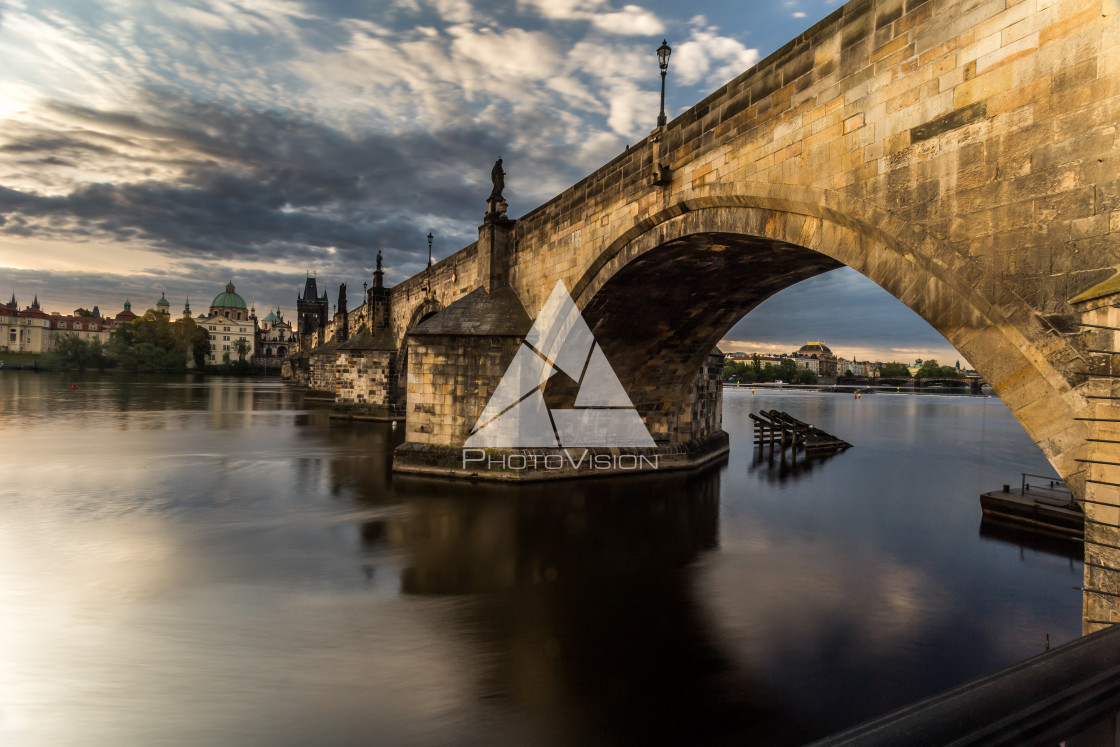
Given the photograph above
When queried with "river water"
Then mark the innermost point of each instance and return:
(210, 561)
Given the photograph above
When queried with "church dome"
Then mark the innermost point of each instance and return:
(814, 348)
(228, 300)
(163, 300)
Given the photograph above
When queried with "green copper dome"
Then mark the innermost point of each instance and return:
(271, 318)
(229, 299)
(163, 300)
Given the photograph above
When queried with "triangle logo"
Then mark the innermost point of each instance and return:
(517, 415)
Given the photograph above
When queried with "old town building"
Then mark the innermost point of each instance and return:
(230, 305)
(275, 340)
(26, 331)
(83, 327)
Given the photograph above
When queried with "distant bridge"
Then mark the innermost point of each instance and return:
(973, 382)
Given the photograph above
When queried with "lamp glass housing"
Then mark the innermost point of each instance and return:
(663, 53)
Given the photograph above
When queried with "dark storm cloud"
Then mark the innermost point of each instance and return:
(258, 184)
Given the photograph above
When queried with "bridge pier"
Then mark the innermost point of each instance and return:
(456, 362)
(1101, 501)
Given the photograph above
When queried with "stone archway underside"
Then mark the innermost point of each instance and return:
(658, 318)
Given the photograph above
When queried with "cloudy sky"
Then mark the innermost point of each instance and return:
(152, 146)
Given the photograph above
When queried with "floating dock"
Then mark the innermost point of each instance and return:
(1040, 503)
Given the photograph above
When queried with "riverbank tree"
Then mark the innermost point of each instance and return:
(152, 343)
(931, 369)
(73, 353)
(755, 372)
(894, 370)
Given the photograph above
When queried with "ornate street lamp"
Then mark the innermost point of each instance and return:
(663, 53)
(429, 249)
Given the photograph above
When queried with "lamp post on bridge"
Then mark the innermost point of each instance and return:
(663, 53)
(661, 174)
(429, 261)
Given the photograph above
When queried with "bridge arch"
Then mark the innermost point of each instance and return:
(428, 307)
(666, 289)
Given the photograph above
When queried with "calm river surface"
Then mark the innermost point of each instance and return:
(211, 562)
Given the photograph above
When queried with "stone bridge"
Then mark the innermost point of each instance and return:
(962, 154)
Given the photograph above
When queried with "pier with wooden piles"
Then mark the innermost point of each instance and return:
(778, 430)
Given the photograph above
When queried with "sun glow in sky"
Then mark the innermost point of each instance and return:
(164, 146)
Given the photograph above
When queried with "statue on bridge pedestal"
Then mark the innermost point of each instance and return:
(499, 178)
(495, 203)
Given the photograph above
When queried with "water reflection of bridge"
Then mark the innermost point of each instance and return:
(589, 605)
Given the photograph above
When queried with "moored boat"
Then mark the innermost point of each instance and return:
(1041, 503)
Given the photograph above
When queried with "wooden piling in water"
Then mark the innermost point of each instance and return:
(776, 427)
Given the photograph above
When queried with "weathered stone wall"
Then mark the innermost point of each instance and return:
(363, 376)
(323, 369)
(1102, 458)
(450, 380)
(706, 398)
